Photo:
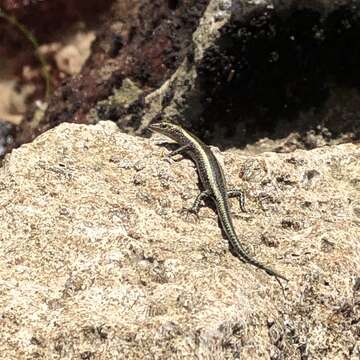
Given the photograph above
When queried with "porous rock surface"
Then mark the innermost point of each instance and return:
(99, 261)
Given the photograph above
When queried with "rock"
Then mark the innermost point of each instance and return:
(97, 259)
(7, 131)
(274, 75)
(70, 58)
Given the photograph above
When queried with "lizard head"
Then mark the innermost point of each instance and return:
(169, 129)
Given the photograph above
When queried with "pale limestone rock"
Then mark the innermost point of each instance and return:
(98, 261)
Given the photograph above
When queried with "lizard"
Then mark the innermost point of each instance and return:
(214, 184)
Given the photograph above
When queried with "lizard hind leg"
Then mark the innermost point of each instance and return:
(240, 195)
(194, 209)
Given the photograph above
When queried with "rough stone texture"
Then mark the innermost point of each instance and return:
(141, 40)
(97, 260)
(280, 75)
